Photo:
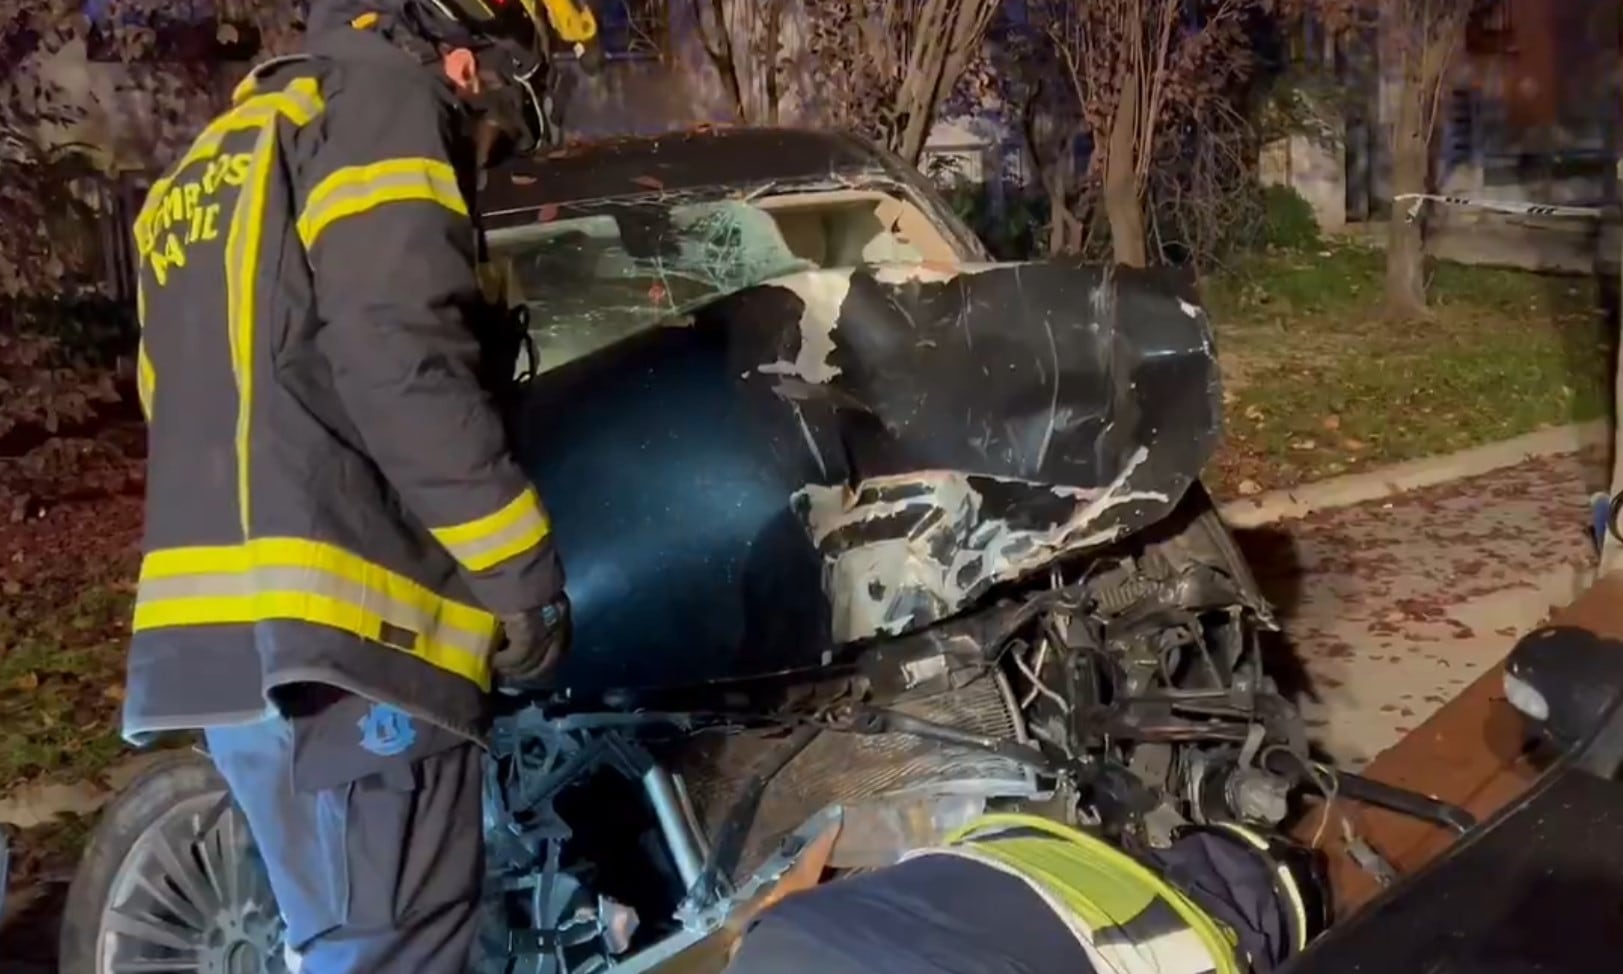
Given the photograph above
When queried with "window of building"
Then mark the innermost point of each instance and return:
(1490, 29)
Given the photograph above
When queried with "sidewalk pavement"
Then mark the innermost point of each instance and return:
(1392, 606)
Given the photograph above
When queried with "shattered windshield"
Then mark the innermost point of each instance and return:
(590, 281)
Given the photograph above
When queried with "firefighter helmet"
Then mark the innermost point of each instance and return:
(522, 26)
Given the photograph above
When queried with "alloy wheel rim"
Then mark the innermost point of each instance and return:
(192, 897)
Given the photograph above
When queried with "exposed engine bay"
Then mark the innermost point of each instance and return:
(1018, 595)
(1126, 694)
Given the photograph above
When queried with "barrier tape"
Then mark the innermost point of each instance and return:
(1509, 207)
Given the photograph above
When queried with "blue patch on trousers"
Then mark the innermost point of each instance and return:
(387, 731)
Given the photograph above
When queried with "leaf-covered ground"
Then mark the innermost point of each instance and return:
(71, 448)
(1319, 382)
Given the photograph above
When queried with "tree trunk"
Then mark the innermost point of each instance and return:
(1411, 164)
(1122, 204)
(1056, 220)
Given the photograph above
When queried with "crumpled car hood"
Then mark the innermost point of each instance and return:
(974, 424)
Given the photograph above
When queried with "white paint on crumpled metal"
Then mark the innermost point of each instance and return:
(980, 551)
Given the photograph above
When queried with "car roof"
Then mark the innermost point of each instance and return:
(710, 162)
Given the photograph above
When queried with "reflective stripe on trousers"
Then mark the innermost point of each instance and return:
(315, 582)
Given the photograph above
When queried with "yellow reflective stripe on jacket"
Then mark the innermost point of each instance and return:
(1104, 888)
(488, 541)
(357, 189)
(146, 378)
(312, 581)
(299, 103)
(241, 271)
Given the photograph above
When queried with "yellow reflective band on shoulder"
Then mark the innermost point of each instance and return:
(354, 190)
(311, 581)
(299, 103)
(488, 541)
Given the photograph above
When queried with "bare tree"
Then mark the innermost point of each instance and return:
(744, 42)
(1138, 73)
(883, 67)
(44, 172)
(1419, 39)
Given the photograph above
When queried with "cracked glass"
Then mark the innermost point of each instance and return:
(591, 281)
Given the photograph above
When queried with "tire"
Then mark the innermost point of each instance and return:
(172, 821)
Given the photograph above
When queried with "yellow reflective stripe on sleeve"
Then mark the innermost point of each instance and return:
(358, 189)
(488, 541)
(315, 582)
(146, 378)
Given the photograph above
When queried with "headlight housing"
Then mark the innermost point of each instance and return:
(1526, 698)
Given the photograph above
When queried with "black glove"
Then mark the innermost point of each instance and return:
(536, 643)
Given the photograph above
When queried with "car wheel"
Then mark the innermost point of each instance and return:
(172, 882)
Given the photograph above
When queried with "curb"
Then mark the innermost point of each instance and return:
(1358, 488)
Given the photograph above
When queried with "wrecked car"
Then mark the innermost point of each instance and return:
(858, 524)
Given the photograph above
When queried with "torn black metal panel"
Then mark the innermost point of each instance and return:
(993, 419)
(830, 456)
(1050, 372)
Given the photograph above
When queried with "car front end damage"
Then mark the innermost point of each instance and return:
(978, 423)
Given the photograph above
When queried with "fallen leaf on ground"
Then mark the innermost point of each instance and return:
(1332, 423)
(28, 681)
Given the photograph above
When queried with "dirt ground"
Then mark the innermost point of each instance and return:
(1392, 607)
(70, 528)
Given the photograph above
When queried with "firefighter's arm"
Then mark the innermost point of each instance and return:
(387, 233)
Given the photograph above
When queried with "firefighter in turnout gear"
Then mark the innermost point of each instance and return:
(341, 554)
(1017, 894)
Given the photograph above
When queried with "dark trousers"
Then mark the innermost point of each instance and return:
(377, 875)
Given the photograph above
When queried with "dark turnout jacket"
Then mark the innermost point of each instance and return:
(330, 496)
